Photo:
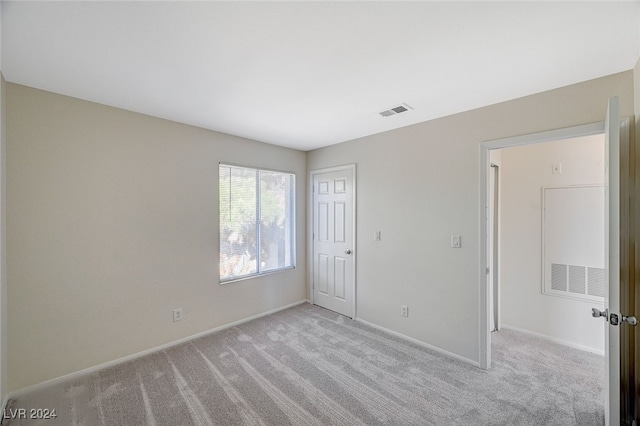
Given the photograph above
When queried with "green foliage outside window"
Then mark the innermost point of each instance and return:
(256, 210)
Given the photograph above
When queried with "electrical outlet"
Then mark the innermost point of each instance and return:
(404, 311)
(177, 315)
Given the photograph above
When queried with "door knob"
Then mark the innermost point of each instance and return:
(631, 320)
(614, 318)
(598, 313)
(347, 251)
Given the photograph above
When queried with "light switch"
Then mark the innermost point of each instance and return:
(456, 241)
(556, 169)
(376, 236)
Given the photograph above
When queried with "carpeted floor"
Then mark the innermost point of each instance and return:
(310, 366)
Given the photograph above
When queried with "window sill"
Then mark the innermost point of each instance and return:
(252, 276)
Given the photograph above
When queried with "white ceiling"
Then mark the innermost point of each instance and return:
(312, 74)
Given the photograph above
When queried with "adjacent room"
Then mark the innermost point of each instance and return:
(551, 234)
(547, 244)
(277, 213)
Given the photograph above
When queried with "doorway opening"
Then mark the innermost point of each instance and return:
(546, 258)
(616, 133)
(546, 240)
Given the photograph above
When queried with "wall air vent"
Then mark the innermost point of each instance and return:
(395, 110)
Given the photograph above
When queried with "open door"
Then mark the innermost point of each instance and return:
(612, 313)
(612, 258)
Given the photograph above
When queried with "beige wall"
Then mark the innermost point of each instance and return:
(419, 185)
(112, 223)
(524, 171)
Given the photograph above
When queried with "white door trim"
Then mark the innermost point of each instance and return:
(312, 173)
(485, 147)
(494, 256)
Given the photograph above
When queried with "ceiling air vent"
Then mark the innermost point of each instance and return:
(395, 110)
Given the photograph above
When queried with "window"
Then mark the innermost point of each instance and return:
(257, 221)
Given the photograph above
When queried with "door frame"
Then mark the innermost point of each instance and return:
(494, 245)
(310, 227)
(485, 167)
(548, 136)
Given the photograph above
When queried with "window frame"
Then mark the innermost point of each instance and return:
(291, 211)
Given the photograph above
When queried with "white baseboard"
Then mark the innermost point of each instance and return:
(421, 343)
(90, 370)
(554, 340)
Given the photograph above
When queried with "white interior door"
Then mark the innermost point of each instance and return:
(333, 240)
(612, 260)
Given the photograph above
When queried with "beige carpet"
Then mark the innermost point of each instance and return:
(310, 366)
